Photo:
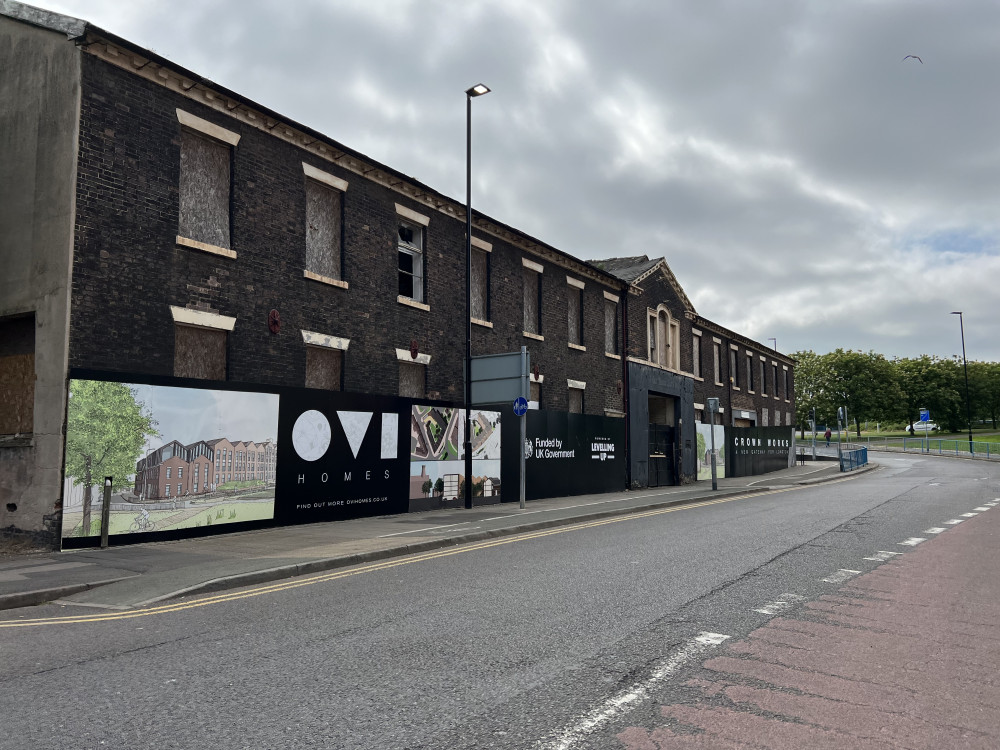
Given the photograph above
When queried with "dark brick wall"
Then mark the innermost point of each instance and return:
(656, 290)
(128, 269)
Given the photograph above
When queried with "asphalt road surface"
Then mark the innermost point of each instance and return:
(714, 625)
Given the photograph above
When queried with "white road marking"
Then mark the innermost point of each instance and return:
(913, 541)
(841, 575)
(882, 556)
(783, 602)
(981, 509)
(953, 521)
(934, 484)
(429, 528)
(621, 702)
(935, 530)
(443, 531)
(968, 515)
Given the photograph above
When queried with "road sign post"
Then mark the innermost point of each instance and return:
(713, 407)
(503, 377)
(925, 417)
(521, 410)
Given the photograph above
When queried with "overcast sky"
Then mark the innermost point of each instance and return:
(802, 180)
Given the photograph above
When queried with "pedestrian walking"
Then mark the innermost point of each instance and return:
(827, 435)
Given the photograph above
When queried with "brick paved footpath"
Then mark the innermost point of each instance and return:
(907, 656)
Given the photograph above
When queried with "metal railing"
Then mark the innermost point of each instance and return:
(934, 446)
(853, 458)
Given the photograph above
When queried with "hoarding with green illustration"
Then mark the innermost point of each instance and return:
(179, 458)
(704, 455)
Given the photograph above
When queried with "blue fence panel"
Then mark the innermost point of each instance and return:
(853, 459)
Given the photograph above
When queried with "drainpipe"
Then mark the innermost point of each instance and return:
(626, 403)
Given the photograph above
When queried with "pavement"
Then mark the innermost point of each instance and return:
(140, 574)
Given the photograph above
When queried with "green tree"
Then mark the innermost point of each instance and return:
(701, 447)
(984, 391)
(931, 383)
(426, 487)
(105, 430)
(439, 487)
(864, 383)
(813, 377)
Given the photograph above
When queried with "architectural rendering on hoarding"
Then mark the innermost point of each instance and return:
(437, 461)
(179, 457)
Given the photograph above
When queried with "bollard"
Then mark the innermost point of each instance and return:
(106, 512)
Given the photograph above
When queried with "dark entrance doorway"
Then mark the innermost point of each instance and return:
(662, 451)
(662, 440)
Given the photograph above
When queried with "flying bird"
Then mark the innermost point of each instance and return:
(914, 57)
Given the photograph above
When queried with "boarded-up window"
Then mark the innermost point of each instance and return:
(763, 414)
(323, 221)
(324, 367)
(662, 338)
(532, 306)
(480, 284)
(651, 337)
(777, 418)
(574, 311)
(717, 363)
(610, 326)
(535, 392)
(17, 375)
(412, 380)
(696, 356)
(199, 353)
(576, 401)
(204, 190)
(734, 370)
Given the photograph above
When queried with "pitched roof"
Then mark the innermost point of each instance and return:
(626, 269)
(634, 270)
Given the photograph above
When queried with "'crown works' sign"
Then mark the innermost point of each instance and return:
(757, 450)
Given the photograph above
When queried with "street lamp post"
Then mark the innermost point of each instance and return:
(965, 364)
(478, 90)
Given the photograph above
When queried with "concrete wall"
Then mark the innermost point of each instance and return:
(39, 112)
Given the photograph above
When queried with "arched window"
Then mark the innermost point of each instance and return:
(664, 339)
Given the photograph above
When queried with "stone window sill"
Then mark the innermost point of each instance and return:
(413, 303)
(534, 336)
(483, 323)
(20, 440)
(325, 279)
(205, 247)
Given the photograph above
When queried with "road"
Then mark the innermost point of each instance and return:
(633, 632)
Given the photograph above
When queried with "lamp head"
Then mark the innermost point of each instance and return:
(478, 90)
(955, 313)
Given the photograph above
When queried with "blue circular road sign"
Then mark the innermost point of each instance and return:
(520, 406)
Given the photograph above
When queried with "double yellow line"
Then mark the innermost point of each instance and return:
(371, 568)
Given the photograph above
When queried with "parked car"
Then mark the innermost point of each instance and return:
(925, 427)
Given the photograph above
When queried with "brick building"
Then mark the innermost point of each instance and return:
(157, 224)
(175, 470)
